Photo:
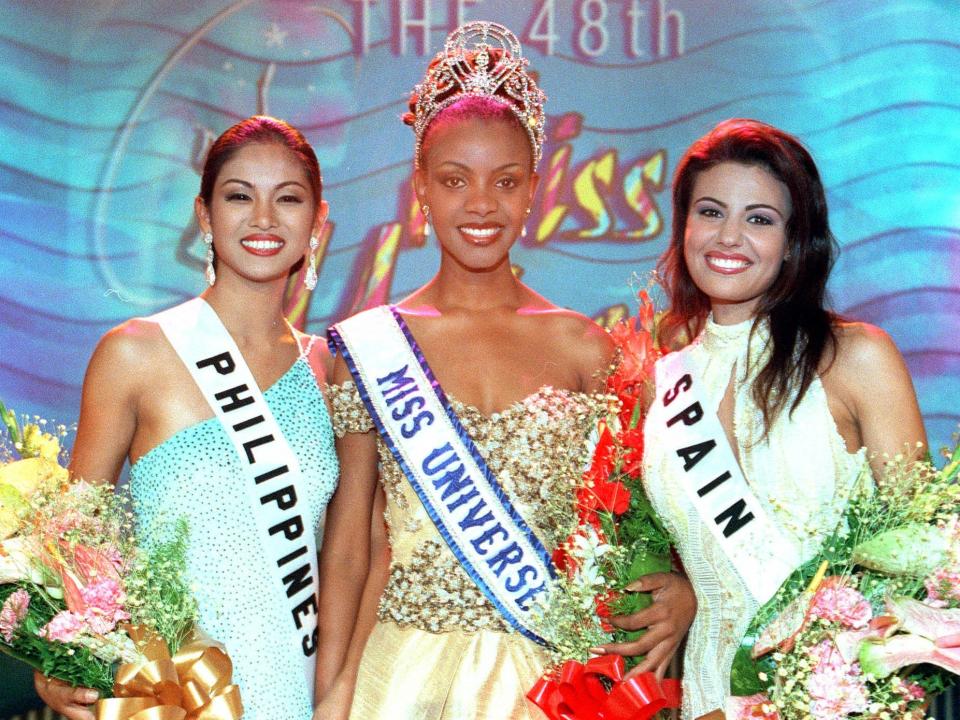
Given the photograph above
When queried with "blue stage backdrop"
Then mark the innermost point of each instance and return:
(106, 110)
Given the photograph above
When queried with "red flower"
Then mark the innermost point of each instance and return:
(563, 561)
(612, 497)
(604, 456)
(632, 441)
(602, 604)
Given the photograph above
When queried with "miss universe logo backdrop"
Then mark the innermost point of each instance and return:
(108, 108)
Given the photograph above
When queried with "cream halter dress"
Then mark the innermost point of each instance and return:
(801, 473)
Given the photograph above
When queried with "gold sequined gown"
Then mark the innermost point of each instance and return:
(801, 474)
(440, 650)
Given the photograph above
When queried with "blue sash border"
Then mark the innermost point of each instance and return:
(337, 345)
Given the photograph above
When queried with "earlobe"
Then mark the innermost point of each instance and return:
(534, 184)
(419, 185)
(322, 213)
(202, 213)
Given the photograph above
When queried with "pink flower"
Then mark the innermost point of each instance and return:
(104, 603)
(13, 612)
(943, 588)
(911, 691)
(65, 626)
(841, 604)
(753, 707)
(837, 689)
(87, 565)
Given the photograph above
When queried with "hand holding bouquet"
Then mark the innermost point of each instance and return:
(81, 601)
(611, 539)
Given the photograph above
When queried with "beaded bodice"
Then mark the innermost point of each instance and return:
(197, 475)
(800, 472)
(536, 449)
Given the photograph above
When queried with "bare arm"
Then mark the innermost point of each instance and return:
(108, 420)
(335, 705)
(108, 408)
(345, 555)
(871, 396)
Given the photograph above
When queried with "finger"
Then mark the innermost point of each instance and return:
(654, 660)
(646, 618)
(631, 648)
(76, 712)
(84, 696)
(649, 583)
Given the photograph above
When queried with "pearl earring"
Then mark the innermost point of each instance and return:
(425, 209)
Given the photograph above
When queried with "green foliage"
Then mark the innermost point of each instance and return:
(70, 663)
(158, 594)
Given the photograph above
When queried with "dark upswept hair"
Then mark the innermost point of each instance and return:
(801, 328)
(259, 129)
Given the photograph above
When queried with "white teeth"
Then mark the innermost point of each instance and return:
(262, 244)
(480, 232)
(727, 263)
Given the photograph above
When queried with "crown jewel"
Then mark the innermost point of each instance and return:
(466, 66)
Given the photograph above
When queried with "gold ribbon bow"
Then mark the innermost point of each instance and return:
(194, 684)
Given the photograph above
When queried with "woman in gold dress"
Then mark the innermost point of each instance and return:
(512, 380)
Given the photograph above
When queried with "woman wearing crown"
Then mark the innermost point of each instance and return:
(474, 397)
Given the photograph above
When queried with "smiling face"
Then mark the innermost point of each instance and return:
(478, 182)
(736, 237)
(261, 212)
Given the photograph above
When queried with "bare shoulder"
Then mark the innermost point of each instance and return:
(867, 367)
(590, 346)
(863, 350)
(132, 345)
(321, 360)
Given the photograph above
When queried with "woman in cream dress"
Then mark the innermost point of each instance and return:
(804, 397)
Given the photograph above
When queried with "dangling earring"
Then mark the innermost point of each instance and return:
(310, 278)
(425, 209)
(523, 230)
(210, 272)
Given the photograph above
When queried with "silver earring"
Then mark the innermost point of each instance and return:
(310, 278)
(523, 230)
(210, 272)
(425, 209)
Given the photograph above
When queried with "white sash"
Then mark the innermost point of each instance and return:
(697, 444)
(271, 471)
(470, 510)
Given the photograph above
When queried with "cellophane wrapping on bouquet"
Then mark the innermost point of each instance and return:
(870, 627)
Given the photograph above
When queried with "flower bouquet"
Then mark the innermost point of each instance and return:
(870, 628)
(609, 539)
(81, 601)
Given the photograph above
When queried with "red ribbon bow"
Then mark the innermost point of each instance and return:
(577, 692)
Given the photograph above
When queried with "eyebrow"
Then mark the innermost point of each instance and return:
(755, 206)
(238, 181)
(464, 167)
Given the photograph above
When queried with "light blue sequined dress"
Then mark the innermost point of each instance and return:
(196, 474)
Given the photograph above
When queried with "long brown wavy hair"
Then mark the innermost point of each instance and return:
(801, 328)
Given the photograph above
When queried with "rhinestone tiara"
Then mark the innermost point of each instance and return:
(466, 66)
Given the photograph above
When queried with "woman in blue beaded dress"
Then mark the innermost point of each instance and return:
(179, 395)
